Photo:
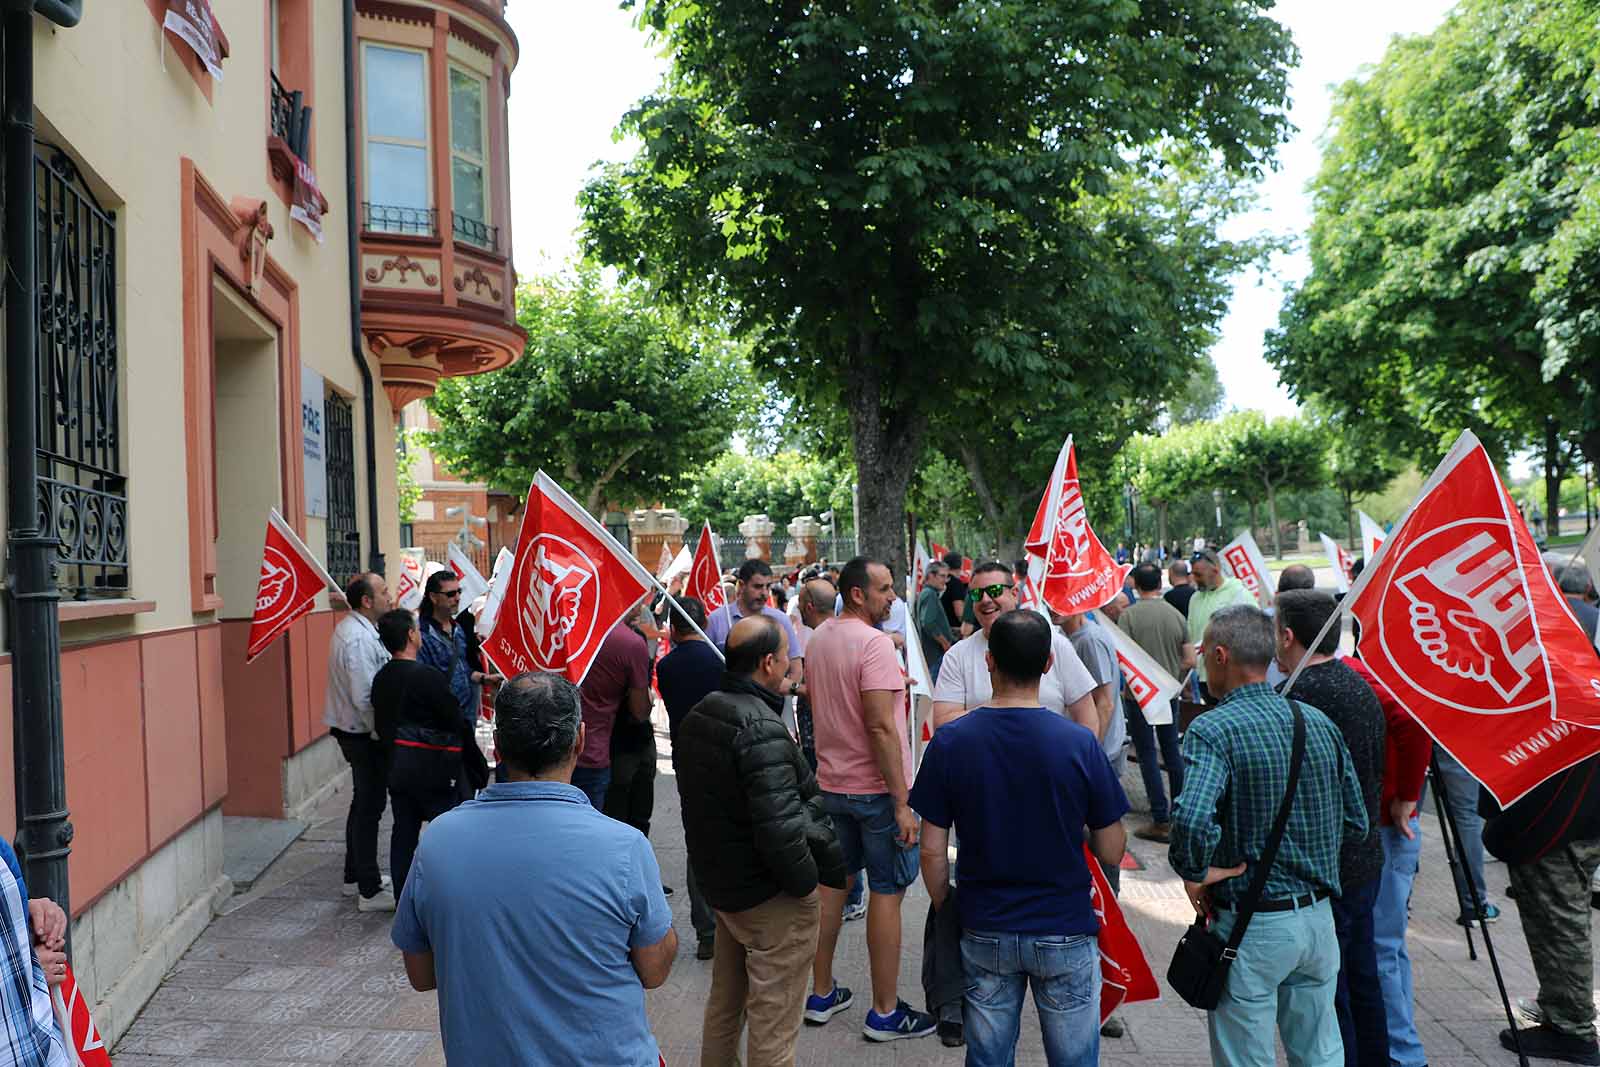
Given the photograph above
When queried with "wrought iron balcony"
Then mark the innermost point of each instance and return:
(291, 119)
(474, 231)
(390, 218)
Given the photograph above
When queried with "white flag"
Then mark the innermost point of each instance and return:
(680, 565)
(1151, 686)
(473, 584)
(499, 579)
(916, 663)
(1591, 554)
(1372, 536)
(665, 561)
(919, 571)
(1242, 558)
(408, 590)
(1341, 562)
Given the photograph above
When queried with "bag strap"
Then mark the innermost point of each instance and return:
(1246, 907)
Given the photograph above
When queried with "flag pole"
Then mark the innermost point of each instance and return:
(674, 602)
(1299, 668)
(1441, 793)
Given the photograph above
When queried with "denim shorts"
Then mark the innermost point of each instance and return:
(870, 839)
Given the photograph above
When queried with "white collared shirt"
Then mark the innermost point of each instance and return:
(354, 659)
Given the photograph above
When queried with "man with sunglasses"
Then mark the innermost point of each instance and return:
(1066, 687)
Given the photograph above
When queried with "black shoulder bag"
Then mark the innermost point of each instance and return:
(1199, 969)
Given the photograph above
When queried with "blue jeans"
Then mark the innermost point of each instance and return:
(595, 783)
(1284, 979)
(1145, 738)
(1359, 998)
(1065, 975)
(869, 838)
(1389, 935)
(1462, 797)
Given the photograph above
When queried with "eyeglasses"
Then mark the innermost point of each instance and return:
(993, 592)
(449, 592)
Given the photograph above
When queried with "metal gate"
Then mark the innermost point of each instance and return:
(344, 539)
(83, 494)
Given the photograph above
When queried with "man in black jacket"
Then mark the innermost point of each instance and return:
(422, 735)
(759, 844)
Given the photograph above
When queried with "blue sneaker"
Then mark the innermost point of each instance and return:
(905, 1021)
(1490, 913)
(820, 1009)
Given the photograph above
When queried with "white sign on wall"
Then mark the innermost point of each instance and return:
(314, 442)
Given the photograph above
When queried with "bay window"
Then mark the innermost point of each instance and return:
(396, 127)
(468, 156)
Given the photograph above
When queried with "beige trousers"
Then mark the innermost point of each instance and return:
(759, 976)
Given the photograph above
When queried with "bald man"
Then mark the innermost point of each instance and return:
(1296, 576)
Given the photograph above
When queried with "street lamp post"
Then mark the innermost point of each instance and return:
(1216, 499)
(465, 537)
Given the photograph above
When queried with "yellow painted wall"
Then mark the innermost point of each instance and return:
(115, 93)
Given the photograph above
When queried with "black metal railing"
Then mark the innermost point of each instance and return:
(291, 119)
(83, 494)
(344, 537)
(389, 218)
(475, 231)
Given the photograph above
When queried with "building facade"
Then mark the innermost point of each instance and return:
(200, 360)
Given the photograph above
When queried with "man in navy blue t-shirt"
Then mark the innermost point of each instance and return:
(1020, 783)
(686, 676)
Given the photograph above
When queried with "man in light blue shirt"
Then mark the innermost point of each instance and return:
(749, 598)
(540, 921)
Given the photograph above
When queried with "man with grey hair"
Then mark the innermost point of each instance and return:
(513, 976)
(1237, 758)
(1573, 578)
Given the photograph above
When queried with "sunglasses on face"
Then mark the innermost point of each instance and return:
(994, 592)
(450, 592)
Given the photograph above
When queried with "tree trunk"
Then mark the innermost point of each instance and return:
(1350, 519)
(1272, 513)
(986, 500)
(1253, 523)
(949, 531)
(1161, 525)
(1554, 469)
(887, 440)
(597, 492)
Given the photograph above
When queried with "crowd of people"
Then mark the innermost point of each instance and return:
(787, 714)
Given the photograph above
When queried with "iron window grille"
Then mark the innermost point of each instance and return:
(475, 231)
(344, 538)
(390, 218)
(291, 119)
(83, 493)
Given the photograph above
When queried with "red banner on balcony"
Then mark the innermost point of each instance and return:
(193, 22)
(308, 203)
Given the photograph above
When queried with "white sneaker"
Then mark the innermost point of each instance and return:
(382, 900)
(350, 889)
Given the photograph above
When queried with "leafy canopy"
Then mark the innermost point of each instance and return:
(617, 396)
(894, 193)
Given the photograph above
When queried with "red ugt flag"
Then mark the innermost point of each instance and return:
(1078, 574)
(966, 569)
(569, 585)
(84, 1046)
(1125, 976)
(705, 576)
(1461, 620)
(290, 580)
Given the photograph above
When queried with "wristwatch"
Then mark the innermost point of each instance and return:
(794, 689)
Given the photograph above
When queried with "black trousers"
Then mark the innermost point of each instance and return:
(412, 808)
(368, 782)
(631, 797)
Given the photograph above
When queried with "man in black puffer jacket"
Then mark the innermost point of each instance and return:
(759, 843)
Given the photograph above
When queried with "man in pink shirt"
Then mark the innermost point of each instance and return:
(856, 688)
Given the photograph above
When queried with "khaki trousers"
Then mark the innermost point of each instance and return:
(759, 975)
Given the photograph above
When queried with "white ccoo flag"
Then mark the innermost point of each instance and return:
(1242, 558)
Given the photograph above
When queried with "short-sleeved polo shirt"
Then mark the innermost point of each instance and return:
(844, 659)
(530, 900)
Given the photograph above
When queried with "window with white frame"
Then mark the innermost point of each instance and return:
(395, 84)
(468, 156)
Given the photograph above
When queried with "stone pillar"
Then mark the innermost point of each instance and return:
(757, 531)
(805, 530)
(656, 531)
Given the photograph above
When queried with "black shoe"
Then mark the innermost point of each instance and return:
(1112, 1027)
(1541, 1042)
(1594, 900)
(950, 1035)
(666, 890)
(705, 947)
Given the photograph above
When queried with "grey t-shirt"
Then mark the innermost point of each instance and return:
(1098, 651)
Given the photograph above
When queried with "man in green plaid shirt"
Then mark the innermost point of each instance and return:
(1236, 768)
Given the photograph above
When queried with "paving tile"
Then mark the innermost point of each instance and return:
(295, 975)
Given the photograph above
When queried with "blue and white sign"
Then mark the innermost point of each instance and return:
(314, 442)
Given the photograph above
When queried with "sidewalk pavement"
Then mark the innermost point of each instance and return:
(293, 974)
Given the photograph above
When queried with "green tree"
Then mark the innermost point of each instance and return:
(1199, 398)
(616, 396)
(779, 486)
(1359, 462)
(891, 192)
(1260, 457)
(1454, 282)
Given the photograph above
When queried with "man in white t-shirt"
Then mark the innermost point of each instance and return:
(1065, 688)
